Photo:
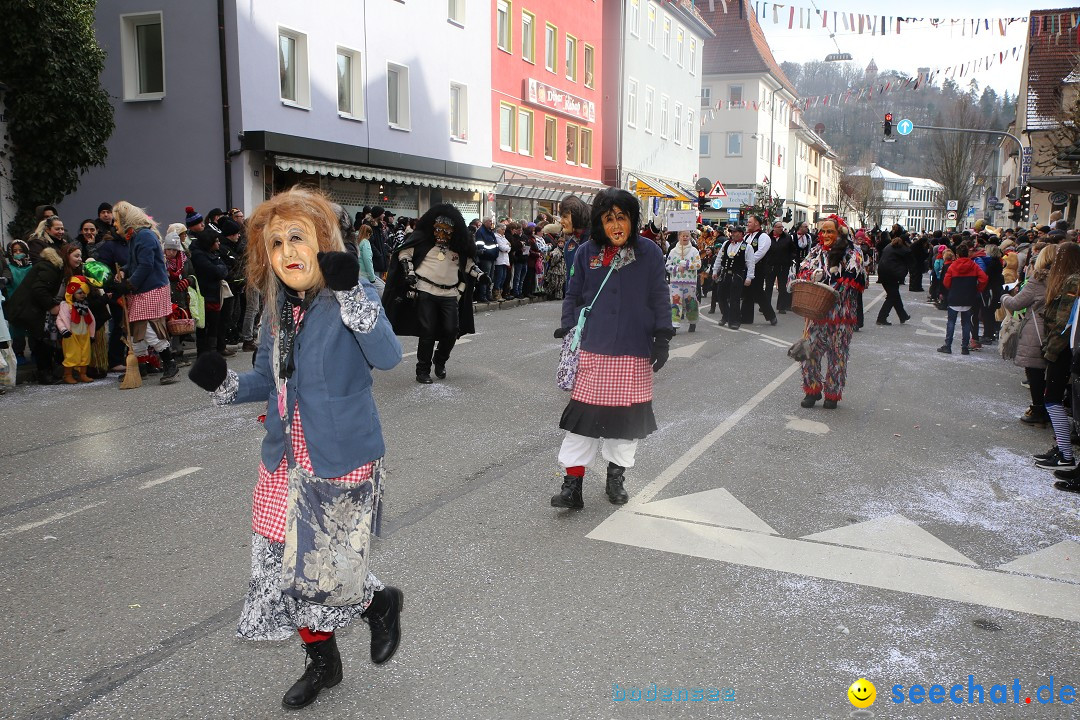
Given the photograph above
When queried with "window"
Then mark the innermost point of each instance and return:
(502, 25)
(648, 108)
(663, 116)
(690, 129)
(571, 58)
(678, 123)
(350, 86)
(397, 96)
(703, 145)
(571, 144)
(507, 136)
(551, 136)
(734, 94)
(455, 11)
(678, 46)
(589, 55)
(667, 37)
(551, 38)
(459, 111)
(652, 25)
(631, 103)
(586, 147)
(693, 56)
(528, 36)
(635, 17)
(142, 49)
(525, 131)
(706, 97)
(293, 66)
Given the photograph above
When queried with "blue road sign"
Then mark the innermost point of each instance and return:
(717, 203)
(904, 127)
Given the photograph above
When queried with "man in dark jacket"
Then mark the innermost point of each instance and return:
(379, 251)
(36, 296)
(104, 222)
(964, 283)
(893, 267)
(779, 260)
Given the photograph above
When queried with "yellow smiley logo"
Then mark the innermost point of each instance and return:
(862, 693)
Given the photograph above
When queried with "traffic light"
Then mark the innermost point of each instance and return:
(701, 200)
(1016, 213)
(888, 124)
(787, 215)
(1025, 203)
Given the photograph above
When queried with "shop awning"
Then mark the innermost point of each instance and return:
(689, 195)
(536, 185)
(648, 187)
(373, 174)
(1053, 183)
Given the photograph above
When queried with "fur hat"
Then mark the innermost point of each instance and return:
(552, 229)
(177, 228)
(172, 241)
(193, 218)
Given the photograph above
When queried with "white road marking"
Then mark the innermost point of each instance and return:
(171, 476)
(1061, 561)
(687, 351)
(807, 426)
(712, 507)
(872, 303)
(46, 521)
(673, 471)
(893, 534)
(748, 331)
(773, 342)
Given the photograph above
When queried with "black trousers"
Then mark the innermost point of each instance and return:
(756, 294)
(117, 347)
(779, 276)
(1036, 378)
(728, 291)
(437, 318)
(208, 338)
(892, 300)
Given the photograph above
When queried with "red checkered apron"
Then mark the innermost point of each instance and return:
(612, 380)
(271, 491)
(149, 305)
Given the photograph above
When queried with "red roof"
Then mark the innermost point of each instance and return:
(740, 45)
(1053, 47)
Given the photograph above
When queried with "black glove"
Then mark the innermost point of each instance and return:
(341, 270)
(561, 333)
(659, 351)
(66, 334)
(208, 371)
(411, 279)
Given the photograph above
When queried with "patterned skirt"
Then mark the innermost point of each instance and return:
(150, 305)
(612, 398)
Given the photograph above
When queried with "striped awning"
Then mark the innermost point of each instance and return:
(374, 174)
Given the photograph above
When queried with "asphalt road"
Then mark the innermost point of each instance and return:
(125, 526)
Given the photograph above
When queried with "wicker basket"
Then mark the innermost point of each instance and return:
(813, 300)
(180, 326)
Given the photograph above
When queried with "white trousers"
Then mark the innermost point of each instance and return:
(580, 450)
(150, 340)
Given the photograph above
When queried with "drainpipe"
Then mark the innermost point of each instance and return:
(772, 144)
(226, 127)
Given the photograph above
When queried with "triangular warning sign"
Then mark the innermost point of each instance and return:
(718, 190)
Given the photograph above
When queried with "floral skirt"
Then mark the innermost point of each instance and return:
(269, 614)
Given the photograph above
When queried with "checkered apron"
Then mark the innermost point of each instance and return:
(149, 305)
(613, 380)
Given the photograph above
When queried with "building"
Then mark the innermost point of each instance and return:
(547, 70)
(654, 53)
(914, 203)
(806, 171)
(744, 141)
(321, 93)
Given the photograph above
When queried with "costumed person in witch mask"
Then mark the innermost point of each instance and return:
(837, 262)
(626, 340)
(317, 499)
(683, 263)
(429, 287)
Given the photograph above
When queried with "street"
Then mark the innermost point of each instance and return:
(774, 553)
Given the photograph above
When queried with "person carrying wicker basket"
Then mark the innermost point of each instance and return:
(837, 262)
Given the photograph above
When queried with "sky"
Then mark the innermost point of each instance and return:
(918, 44)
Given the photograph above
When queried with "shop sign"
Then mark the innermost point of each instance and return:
(537, 93)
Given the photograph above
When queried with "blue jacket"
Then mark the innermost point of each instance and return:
(113, 253)
(332, 383)
(633, 306)
(146, 262)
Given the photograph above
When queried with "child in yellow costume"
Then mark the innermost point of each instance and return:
(76, 325)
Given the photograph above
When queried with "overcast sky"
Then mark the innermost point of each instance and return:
(917, 45)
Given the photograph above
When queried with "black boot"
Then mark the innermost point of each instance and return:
(693, 327)
(440, 371)
(810, 400)
(170, 372)
(384, 618)
(570, 494)
(615, 491)
(323, 671)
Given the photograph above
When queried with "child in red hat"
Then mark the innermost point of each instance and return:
(76, 325)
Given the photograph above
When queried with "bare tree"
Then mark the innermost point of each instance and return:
(865, 196)
(959, 157)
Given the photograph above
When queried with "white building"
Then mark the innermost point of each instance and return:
(654, 52)
(335, 93)
(915, 203)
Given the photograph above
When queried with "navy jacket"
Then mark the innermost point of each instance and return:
(633, 306)
(332, 383)
(112, 253)
(146, 262)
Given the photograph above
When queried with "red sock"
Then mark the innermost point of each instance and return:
(310, 636)
(576, 471)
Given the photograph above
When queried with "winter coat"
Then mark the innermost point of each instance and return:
(1033, 297)
(992, 267)
(964, 281)
(1056, 316)
(895, 260)
(210, 270)
(145, 268)
(37, 295)
(112, 253)
(633, 307)
(37, 243)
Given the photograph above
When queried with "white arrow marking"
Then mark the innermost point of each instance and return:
(807, 426)
(686, 351)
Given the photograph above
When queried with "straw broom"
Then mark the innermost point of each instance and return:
(132, 378)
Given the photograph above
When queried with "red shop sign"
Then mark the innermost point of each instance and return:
(537, 93)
